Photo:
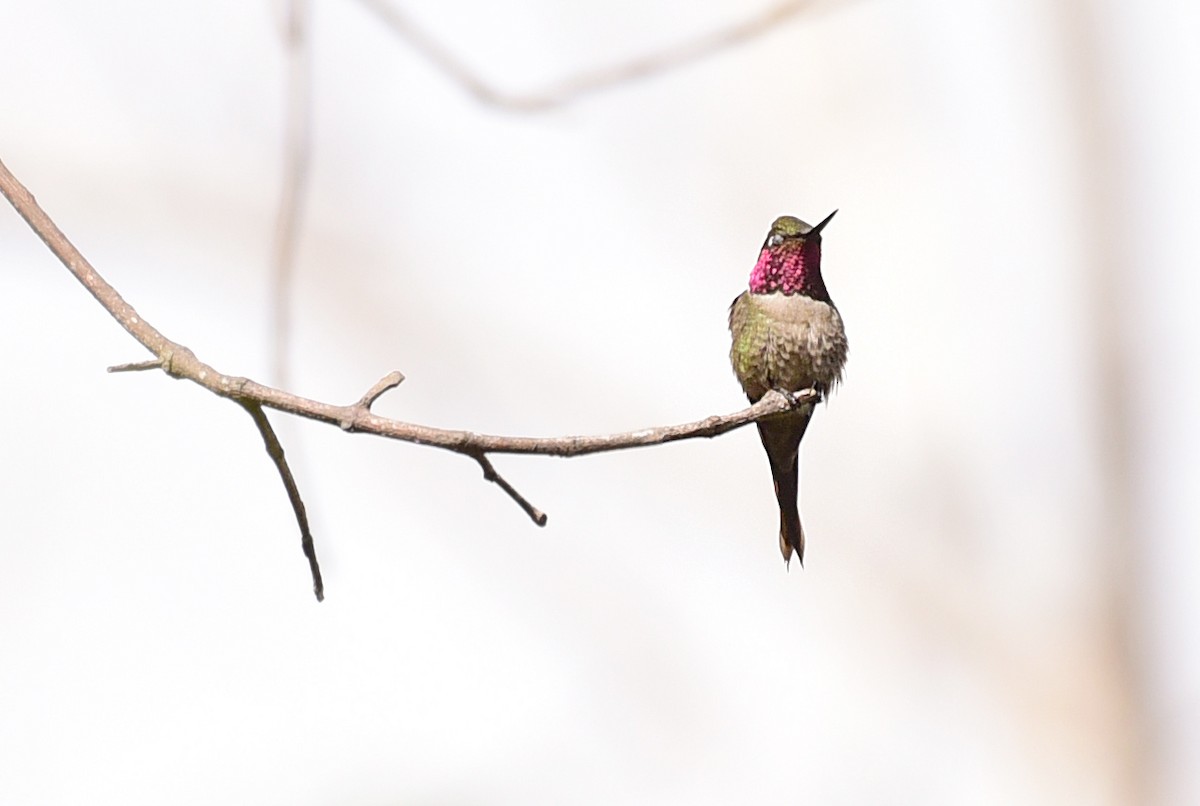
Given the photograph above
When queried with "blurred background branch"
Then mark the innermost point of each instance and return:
(566, 90)
(297, 156)
(297, 148)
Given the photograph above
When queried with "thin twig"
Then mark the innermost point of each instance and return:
(586, 82)
(297, 150)
(389, 381)
(489, 473)
(137, 366)
(275, 451)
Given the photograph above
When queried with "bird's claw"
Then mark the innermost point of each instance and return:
(796, 399)
(800, 398)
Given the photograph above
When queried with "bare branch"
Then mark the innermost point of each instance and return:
(178, 361)
(489, 473)
(275, 451)
(297, 149)
(586, 82)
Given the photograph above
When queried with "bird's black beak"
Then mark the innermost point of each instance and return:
(817, 229)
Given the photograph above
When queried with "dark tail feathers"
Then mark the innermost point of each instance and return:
(791, 533)
(781, 437)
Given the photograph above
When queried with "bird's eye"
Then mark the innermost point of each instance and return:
(774, 239)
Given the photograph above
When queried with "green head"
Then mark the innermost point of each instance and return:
(788, 227)
(790, 260)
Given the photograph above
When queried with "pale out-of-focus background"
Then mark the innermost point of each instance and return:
(1002, 501)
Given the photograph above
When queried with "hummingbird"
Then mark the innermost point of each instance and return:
(787, 336)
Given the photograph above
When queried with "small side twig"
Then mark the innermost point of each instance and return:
(137, 366)
(489, 473)
(275, 451)
(387, 382)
